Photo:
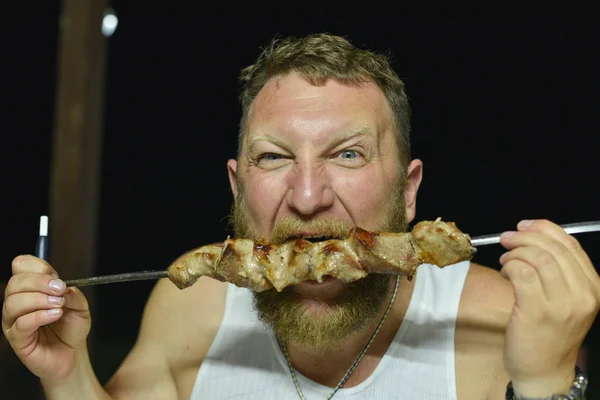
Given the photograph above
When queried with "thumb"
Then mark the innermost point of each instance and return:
(75, 323)
(75, 300)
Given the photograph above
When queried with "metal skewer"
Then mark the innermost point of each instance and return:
(126, 277)
(571, 229)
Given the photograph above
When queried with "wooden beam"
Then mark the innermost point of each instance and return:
(77, 140)
(75, 166)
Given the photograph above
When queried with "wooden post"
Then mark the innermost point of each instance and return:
(77, 140)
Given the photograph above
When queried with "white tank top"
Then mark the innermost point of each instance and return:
(244, 360)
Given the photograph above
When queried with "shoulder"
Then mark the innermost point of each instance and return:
(184, 322)
(177, 329)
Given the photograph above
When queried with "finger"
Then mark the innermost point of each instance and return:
(528, 286)
(565, 260)
(553, 230)
(75, 300)
(545, 267)
(29, 263)
(19, 304)
(34, 282)
(25, 326)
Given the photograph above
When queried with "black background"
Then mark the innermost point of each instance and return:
(505, 121)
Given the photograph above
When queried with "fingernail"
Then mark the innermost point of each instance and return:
(54, 275)
(502, 257)
(507, 234)
(53, 312)
(55, 300)
(525, 223)
(56, 285)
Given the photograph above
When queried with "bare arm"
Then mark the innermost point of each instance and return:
(177, 329)
(82, 383)
(485, 309)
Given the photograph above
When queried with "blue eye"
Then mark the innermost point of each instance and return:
(349, 154)
(271, 157)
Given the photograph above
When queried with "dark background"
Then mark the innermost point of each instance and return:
(505, 120)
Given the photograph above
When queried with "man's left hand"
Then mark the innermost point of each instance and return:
(557, 297)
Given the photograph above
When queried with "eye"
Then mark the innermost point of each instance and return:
(349, 154)
(270, 157)
(270, 160)
(351, 158)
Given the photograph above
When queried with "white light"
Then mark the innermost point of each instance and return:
(44, 225)
(109, 23)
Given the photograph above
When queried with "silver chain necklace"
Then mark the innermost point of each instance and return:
(360, 355)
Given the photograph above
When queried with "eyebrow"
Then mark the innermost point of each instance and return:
(267, 138)
(360, 131)
(357, 132)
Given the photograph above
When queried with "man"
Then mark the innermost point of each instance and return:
(324, 147)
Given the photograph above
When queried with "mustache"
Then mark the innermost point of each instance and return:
(289, 227)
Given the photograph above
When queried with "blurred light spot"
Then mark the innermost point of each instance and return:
(109, 22)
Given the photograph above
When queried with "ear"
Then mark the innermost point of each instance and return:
(413, 181)
(232, 172)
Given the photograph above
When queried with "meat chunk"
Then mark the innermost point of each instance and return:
(441, 243)
(261, 266)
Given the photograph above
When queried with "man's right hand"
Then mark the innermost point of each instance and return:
(45, 323)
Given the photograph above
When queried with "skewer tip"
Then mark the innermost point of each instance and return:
(44, 225)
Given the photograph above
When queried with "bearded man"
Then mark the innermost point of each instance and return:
(324, 147)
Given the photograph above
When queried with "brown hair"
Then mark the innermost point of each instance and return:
(319, 57)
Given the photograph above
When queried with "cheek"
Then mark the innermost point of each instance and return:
(363, 196)
(263, 196)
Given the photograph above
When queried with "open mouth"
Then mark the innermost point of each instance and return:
(313, 239)
(316, 239)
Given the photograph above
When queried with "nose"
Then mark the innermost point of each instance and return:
(309, 191)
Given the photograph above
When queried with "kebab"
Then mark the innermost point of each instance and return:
(261, 266)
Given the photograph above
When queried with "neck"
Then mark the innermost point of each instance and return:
(329, 366)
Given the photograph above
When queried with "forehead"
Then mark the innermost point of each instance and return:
(291, 105)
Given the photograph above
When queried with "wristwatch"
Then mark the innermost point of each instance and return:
(577, 391)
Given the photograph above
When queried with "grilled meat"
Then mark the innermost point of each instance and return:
(260, 266)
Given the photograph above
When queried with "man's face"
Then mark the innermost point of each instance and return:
(317, 161)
